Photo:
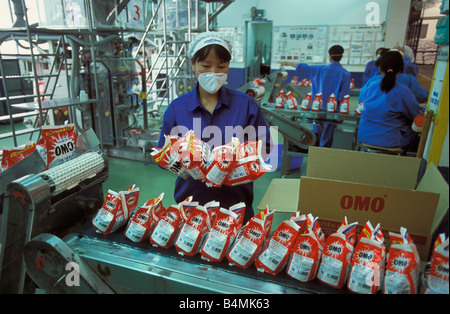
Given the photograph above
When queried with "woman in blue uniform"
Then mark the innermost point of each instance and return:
(326, 79)
(389, 107)
(210, 109)
(371, 69)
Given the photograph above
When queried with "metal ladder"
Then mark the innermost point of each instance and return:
(58, 60)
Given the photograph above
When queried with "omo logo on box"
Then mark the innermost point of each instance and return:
(363, 203)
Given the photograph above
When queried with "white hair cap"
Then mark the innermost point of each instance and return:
(409, 53)
(206, 39)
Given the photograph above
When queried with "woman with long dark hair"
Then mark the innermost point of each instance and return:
(389, 107)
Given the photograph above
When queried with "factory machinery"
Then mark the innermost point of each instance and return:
(295, 126)
(56, 201)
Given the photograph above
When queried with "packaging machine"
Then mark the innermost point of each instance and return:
(56, 201)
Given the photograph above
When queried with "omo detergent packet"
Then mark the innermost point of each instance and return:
(368, 262)
(273, 258)
(307, 251)
(402, 269)
(337, 255)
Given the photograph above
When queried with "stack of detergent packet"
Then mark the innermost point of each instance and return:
(230, 164)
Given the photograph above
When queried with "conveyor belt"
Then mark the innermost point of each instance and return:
(105, 252)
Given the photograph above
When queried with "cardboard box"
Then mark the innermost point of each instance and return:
(367, 186)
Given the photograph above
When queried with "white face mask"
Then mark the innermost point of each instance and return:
(211, 82)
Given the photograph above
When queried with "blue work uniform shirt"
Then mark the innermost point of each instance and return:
(370, 71)
(387, 117)
(326, 79)
(410, 81)
(410, 67)
(233, 113)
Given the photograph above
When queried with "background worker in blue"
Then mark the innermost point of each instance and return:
(407, 79)
(389, 108)
(408, 58)
(216, 107)
(371, 69)
(326, 79)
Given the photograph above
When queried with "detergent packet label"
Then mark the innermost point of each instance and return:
(249, 241)
(274, 257)
(306, 102)
(332, 103)
(437, 280)
(239, 210)
(140, 223)
(59, 143)
(367, 268)
(246, 247)
(317, 102)
(280, 99)
(306, 252)
(212, 208)
(223, 161)
(191, 235)
(13, 155)
(221, 236)
(402, 270)
(344, 106)
(110, 217)
(359, 109)
(130, 199)
(166, 229)
(194, 155)
(336, 259)
(250, 166)
(168, 156)
(291, 101)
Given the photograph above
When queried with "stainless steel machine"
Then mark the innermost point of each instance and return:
(56, 201)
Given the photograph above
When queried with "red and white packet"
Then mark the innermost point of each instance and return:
(402, 269)
(368, 262)
(359, 109)
(57, 144)
(116, 209)
(344, 106)
(307, 252)
(250, 166)
(194, 155)
(332, 103)
(163, 235)
(168, 156)
(306, 102)
(250, 239)
(337, 255)
(193, 231)
(305, 83)
(291, 102)
(437, 279)
(280, 100)
(317, 102)
(12, 155)
(221, 236)
(141, 222)
(223, 160)
(274, 257)
(212, 208)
